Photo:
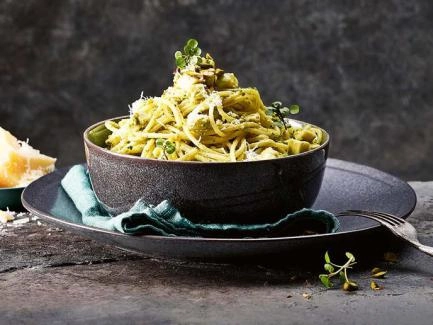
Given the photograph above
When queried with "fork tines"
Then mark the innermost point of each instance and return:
(378, 216)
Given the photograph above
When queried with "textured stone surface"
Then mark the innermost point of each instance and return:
(49, 276)
(362, 70)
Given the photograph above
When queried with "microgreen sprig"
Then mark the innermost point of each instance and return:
(282, 112)
(167, 146)
(191, 52)
(340, 270)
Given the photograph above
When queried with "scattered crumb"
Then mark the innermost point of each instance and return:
(22, 220)
(307, 296)
(12, 219)
(378, 273)
(375, 286)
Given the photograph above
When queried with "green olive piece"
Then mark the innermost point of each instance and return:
(227, 81)
(98, 135)
(206, 62)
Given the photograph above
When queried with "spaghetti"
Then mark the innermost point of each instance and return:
(205, 116)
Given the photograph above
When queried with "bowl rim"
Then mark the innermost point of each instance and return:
(182, 162)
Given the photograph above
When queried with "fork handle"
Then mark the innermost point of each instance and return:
(426, 249)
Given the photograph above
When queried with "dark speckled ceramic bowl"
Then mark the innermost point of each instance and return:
(230, 192)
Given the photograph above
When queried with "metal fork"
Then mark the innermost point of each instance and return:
(399, 227)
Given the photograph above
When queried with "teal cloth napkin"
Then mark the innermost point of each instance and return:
(164, 219)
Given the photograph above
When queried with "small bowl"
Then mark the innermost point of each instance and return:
(10, 198)
(245, 192)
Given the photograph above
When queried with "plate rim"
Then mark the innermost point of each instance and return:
(45, 216)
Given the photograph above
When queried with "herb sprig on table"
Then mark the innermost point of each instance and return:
(340, 270)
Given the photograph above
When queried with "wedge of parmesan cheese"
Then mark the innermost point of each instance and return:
(20, 164)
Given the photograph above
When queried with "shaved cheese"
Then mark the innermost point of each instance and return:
(185, 82)
(135, 106)
(214, 99)
(20, 164)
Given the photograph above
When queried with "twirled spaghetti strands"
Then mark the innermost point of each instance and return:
(206, 116)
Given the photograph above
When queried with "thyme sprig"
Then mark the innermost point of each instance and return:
(340, 270)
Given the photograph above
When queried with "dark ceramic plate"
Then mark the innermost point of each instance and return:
(345, 186)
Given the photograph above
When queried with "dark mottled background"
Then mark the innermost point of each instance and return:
(361, 69)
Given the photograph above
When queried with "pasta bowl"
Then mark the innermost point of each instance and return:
(244, 192)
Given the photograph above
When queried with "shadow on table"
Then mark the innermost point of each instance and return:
(300, 268)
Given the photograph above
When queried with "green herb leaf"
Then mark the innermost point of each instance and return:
(180, 62)
(277, 104)
(328, 267)
(324, 278)
(285, 112)
(327, 259)
(350, 256)
(170, 147)
(294, 109)
(281, 112)
(178, 54)
(191, 54)
(192, 43)
(159, 142)
(340, 270)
